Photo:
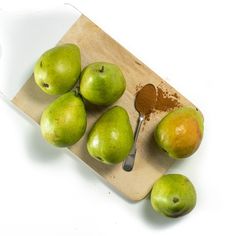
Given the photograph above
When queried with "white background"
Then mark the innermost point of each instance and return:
(191, 44)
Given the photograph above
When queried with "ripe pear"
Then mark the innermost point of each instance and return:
(64, 121)
(173, 195)
(111, 138)
(102, 83)
(180, 132)
(57, 70)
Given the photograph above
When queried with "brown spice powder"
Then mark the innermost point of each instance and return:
(138, 87)
(145, 100)
(166, 101)
(150, 99)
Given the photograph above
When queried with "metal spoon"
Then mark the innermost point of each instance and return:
(149, 100)
(129, 161)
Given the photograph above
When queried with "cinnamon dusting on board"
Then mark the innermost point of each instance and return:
(150, 100)
(138, 87)
(166, 101)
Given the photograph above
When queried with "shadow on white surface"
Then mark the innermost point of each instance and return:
(38, 149)
(82, 168)
(34, 32)
(155, 219)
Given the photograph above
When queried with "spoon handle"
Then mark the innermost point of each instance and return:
(129, 161)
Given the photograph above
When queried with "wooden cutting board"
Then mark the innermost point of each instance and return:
(96, 45)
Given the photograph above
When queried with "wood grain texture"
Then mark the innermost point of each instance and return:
(96, 45)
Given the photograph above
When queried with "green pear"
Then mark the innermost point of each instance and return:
(102, 83)
(64, 121)
(57, 70)
(173, 195)
(111, 138)
(180, 132)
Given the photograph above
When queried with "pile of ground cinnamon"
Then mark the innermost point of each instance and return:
(145, 100)
(150, 99)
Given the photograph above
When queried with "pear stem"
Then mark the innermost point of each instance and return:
(102, 69)
(76, 91)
